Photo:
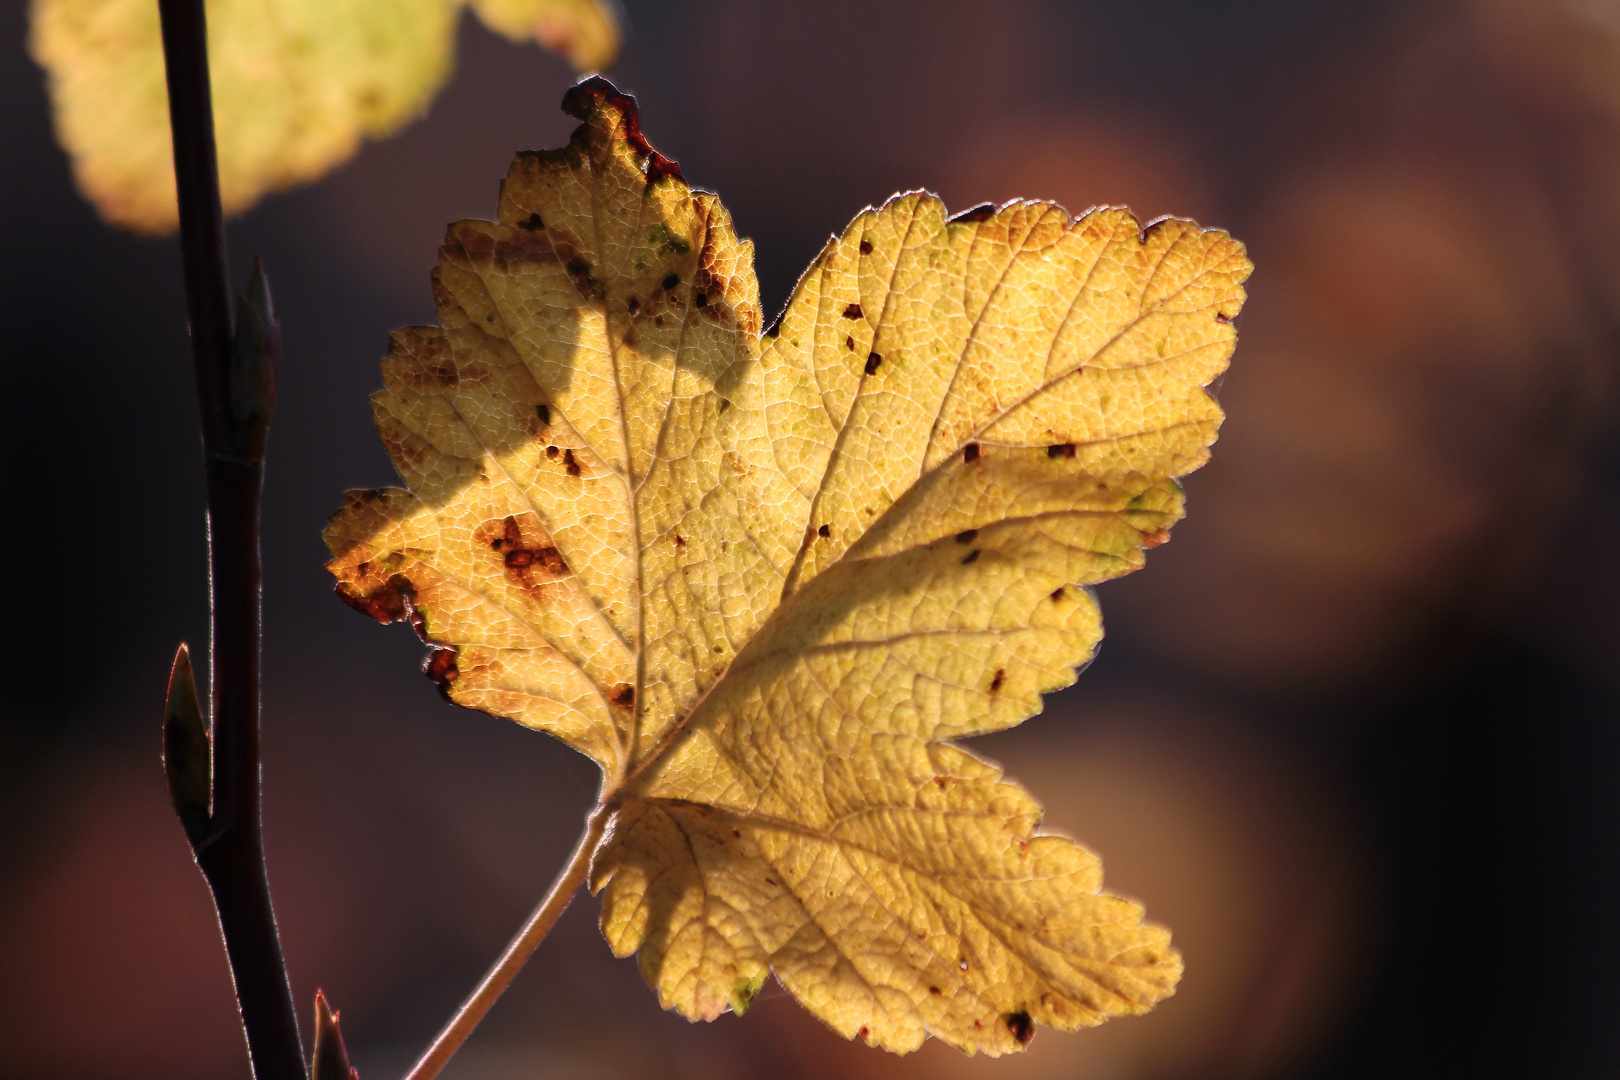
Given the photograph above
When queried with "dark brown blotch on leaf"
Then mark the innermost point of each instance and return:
(824, 532)
(970, 453)
(1061, 450)
(570, 463)
(971, 557)
(1057, 593)
(440, 667)
(531, 223)
(866, 247)
(1020, 1026)
(999, 679)
(853, 311)
(520, 556)
(872, 362)
(623, 696)
(388, 603)
(670, 282)
(966, 536)
(542, 413)
(593, 93)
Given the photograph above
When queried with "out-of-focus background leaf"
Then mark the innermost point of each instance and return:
(297, 85)
(1354, 734)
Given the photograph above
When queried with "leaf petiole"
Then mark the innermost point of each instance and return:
(517, 953)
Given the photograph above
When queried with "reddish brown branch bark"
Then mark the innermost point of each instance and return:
(235, 390)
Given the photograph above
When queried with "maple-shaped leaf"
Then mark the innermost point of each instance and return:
(766, 580)
(297, 84)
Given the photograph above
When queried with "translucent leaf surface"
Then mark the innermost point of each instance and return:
(765, 580)
(297, 84)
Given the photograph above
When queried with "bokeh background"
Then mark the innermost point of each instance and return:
(1354, 735)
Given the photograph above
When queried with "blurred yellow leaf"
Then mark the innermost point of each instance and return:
(583, 32)
(764, 580)
(296, 85)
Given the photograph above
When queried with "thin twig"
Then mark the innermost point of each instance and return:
(235, 390)
(517, 953)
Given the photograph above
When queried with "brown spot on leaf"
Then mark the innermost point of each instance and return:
(824, 532)
(1155, 538)
(671, 281)
(531, 223)
(1021, 1026)
(1061, 450)
(570, 463)
(623, 696)
(866, 247)
(542, 412)
(680, 541)
(863, 1033)
(853, 311)
(552, 452)
(440, 666)
(1057, 593)
(442, 370)
(998, 681)
(966, 536)
(970, 453)
(849, 342)
(1223, 318)
(971, 557)
(548, 558)
(872, 362)
(633, 304)
(933, 989)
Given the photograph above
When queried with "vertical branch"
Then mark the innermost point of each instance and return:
(236, 391)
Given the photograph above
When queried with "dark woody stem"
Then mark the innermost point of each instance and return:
(235, 391)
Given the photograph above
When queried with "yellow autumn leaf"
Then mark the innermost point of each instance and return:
(297, 84)
(765, 581)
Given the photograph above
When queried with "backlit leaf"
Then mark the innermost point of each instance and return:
(765, 580)
(297, 84)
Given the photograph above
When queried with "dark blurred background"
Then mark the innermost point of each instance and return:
(1353, 735)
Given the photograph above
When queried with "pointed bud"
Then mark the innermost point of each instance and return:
(187, 755)
(255, 365)
(330, 1060)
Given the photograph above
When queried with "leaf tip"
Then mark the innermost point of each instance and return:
(594, 94)
(743, 994)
